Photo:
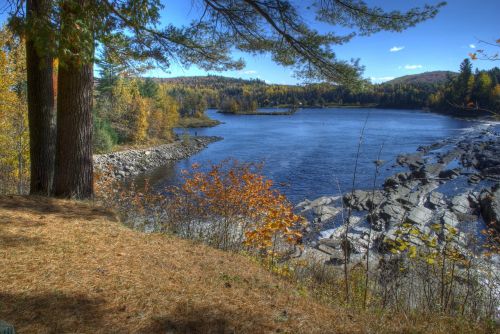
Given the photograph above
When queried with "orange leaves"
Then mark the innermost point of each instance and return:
(244, 200)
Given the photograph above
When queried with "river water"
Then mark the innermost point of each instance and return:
(313, 152)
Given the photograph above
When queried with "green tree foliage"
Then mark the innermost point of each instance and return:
(130, 29)
(14, 136)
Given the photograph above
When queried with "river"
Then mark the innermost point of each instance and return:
(313, 152)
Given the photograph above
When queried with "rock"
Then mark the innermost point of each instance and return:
(389, 213)
(450, 173)
(331, 242)
(436, 200)
(420, 215)
(329, 250)
(363, 200)
(490, 206)
(325, 200)
(398, 193)
(313, 255)
(325, 213)
(474, 179)
(413, 161)
(449, 218)
(461, 203)
(396, 180)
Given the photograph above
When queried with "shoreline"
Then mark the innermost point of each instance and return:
(128, 163)
(455, 181)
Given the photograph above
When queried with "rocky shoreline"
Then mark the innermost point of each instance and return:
(128, 163)
(454, 182)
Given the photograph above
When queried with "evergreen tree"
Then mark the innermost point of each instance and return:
(251, 26)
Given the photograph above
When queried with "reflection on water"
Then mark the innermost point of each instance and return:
(311, 153)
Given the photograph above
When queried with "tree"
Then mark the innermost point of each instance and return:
(247, 25)
(73, 165)
(41, 112)
(14, 136)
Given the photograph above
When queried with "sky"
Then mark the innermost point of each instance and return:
(437, 44)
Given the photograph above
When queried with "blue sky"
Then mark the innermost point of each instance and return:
(438, 44)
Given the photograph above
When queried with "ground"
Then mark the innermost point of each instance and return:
(71, 267)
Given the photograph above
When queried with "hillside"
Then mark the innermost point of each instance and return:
(71, 267)
(434, 77)
(212, 81)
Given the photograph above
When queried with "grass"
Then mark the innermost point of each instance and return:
(197, 122)
(71, 267)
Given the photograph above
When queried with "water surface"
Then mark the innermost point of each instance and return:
(313, 152)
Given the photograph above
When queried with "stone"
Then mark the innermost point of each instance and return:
(436, 200)
(396, 180)
(325, 213)
(449, 218)
(490, 206)
(314, 255)
(461, 203)
(362, 200)
(450, 174)
(329, 250)
(474, 179)
(389, 213)
(420, 215)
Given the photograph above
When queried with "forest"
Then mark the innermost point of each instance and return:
(84, 249)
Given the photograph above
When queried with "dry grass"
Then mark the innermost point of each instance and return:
(68, 267)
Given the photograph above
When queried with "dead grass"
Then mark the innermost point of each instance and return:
(68, 267)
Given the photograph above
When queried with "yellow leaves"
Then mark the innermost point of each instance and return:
(239, 195)
(14, 136)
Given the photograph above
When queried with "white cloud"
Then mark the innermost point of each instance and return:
(413, 67)
(249, 72)
(472, 46)
(396, 48)
(380, 79)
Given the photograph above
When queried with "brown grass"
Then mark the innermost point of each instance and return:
(68, 267)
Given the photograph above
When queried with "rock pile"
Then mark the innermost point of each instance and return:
(458, 186)
(123, 164)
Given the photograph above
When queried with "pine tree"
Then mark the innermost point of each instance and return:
(248, 25)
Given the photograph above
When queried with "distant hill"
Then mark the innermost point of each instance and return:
(213, 81)
(434, 77)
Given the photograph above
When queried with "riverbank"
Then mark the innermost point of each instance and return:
(122, 164)
(454, 182)
(197, 122)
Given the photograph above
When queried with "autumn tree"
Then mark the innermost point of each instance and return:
(14, 136)
(251, 26)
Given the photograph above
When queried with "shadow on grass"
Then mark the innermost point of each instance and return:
(206, 320)
(43, 205)
(51, 312)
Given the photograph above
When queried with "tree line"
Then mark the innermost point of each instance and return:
(74, 31)
(467, 90)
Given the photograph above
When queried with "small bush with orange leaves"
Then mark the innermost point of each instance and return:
(232, 206)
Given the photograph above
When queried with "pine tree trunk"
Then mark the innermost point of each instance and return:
(41, 113)
(74, 167)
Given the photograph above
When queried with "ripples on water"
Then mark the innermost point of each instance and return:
(307, 154)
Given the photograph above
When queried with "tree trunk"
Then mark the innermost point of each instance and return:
(74, 167)
(41, 113)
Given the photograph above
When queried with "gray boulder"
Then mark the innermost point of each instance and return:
(461, 204)
(420, 215)
(363, 200)
(490, 206)
(436, 200)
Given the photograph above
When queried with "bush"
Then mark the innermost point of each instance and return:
(104, 136)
